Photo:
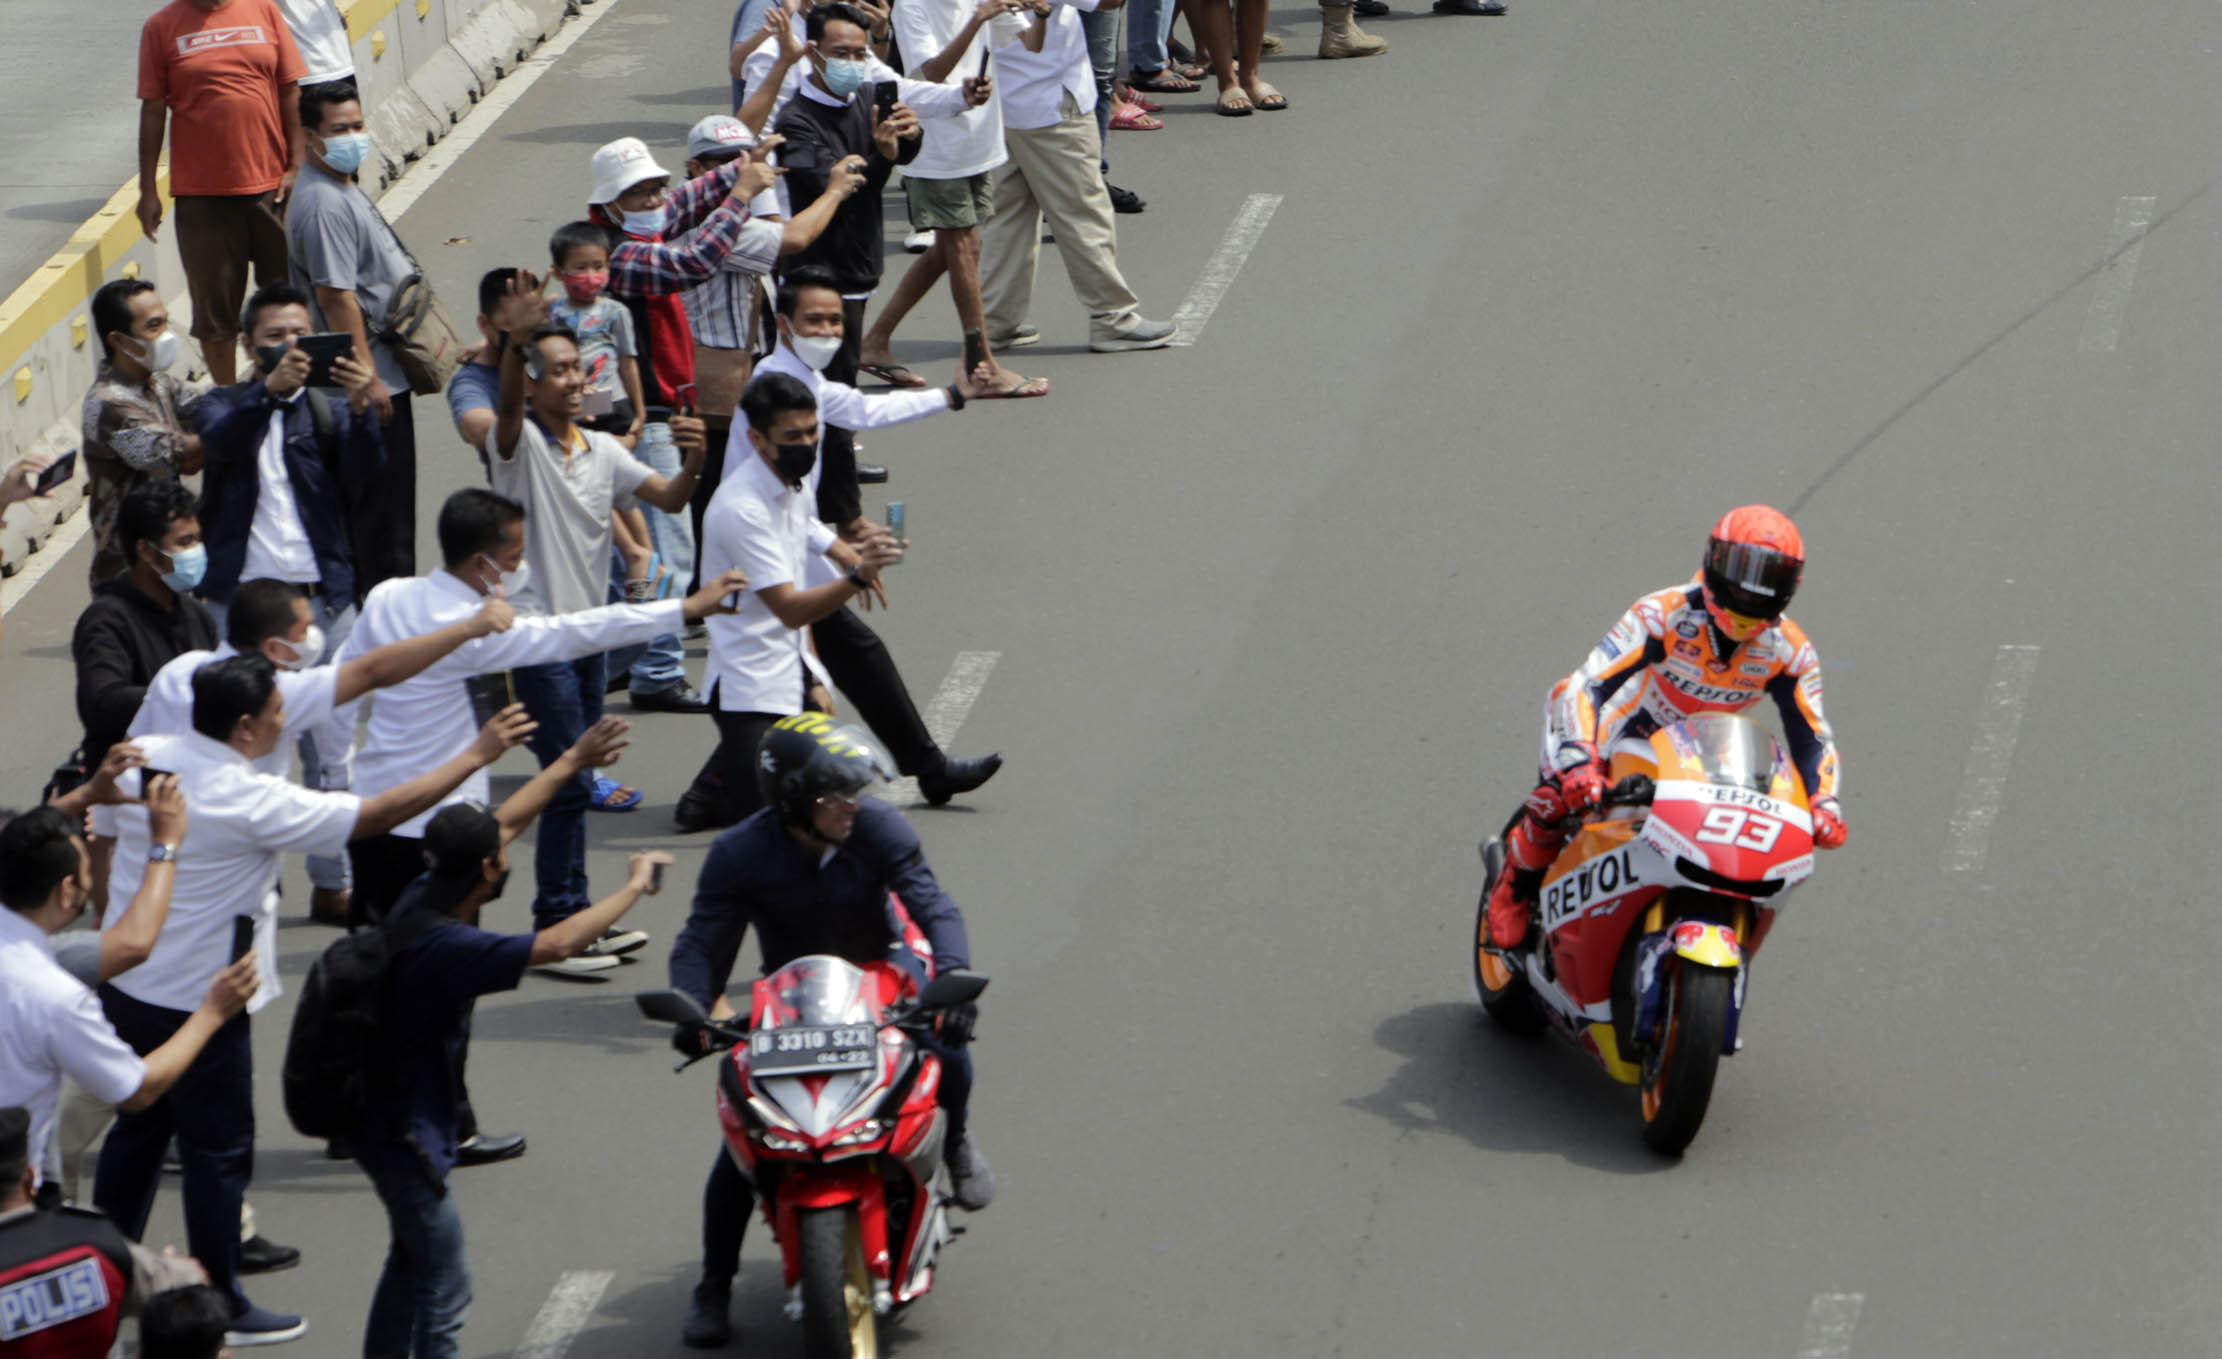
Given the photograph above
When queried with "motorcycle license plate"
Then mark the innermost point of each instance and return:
(812, 1051)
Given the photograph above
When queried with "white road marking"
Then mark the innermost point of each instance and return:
(482, 117)
(564, 1314)
(1225, 263)
(1828, 1326)
(1967, 841)
(951, 704)
(2102, 329)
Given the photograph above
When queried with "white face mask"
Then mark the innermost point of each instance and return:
(646, 222)
(815, 350)
(304, 651)
(511, 583)
(159, 354)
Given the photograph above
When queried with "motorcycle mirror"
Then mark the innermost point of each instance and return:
(951, 988)
(671, 1007)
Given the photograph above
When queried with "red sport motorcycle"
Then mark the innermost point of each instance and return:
(827, 1101)
(1650, 913)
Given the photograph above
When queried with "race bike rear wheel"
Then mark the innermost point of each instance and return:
(1678, 1077)
(1503, 988)
(837, 1317)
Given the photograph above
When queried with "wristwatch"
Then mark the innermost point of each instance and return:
(859, 581)
(956, 397)
(162, 854)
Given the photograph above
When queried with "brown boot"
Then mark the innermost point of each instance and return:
(1340, 36)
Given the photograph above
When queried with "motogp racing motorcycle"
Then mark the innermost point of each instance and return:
(1650, 913)
(828, 1104)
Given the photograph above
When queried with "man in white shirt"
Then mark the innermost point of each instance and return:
(569, 479)
(762, 524)
(1047, 86)
(320, 32)
(951, 185)
(270, 618)
(243, 823)
(779, 67)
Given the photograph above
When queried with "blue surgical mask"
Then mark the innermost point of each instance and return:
(346, 152)
(188, 567)
(845, 76)
(649, 222)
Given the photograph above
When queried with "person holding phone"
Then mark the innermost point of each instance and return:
(137, 418)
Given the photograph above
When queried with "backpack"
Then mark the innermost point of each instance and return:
(328, 1051)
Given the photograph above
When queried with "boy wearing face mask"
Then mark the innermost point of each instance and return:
(135, 415)
(580, 252)
(348, 261)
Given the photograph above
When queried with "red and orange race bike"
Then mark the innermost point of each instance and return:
(1651, 912)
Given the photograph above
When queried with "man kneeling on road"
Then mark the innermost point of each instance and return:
(812, 872)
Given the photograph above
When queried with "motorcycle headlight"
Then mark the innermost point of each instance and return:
(778, 1141)
(867, 1131)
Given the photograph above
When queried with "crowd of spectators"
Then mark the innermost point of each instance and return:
(665, 416)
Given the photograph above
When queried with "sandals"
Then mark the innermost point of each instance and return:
(893, 374)
(1268, 100)
(1131, 118)
(612, 796)
(1167, 81)
(1021, 390)
(1240, 109)
(1127, 94)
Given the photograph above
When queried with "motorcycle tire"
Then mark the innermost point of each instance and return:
(837, 1317)
(1678, 1078)
(1503, 990)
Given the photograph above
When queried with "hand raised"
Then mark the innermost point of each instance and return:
(508, 727)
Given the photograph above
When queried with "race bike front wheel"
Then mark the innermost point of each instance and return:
(837, 1317)
(1678, 1076)
(1502, 987)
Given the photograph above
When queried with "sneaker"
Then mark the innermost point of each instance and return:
(258, 1254)
(679, 698)
(261, 1326)
(1018, 339)
(971, 1183)
(919, 242)
(615, 943)
(580, 965)
(1143, 334)
(709, 1316)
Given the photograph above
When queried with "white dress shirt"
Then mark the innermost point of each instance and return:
(51, 1027)
(971, 142)
(568, 495)
(240, 825)
(278, 548)
(1032, 85)
(770, 530)
(425, 721)
(927, 101)
(839, 405)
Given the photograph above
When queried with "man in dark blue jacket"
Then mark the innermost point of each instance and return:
(812, 872)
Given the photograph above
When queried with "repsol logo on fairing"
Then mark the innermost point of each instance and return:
(1594, 881)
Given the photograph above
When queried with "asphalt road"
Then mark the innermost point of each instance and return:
(1274, 617)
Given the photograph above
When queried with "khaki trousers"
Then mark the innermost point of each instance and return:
(1054, 173)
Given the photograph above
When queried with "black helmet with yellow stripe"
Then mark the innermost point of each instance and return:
(807, 756)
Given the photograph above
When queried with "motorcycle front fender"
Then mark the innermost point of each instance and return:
(808, 1190)
(1696, 943)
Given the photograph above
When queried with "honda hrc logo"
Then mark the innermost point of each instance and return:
(241, 35)
(1597, 880)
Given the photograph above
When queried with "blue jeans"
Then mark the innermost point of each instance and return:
(659, 666)
(565, 698)
(417, 1310)
(337, 735)
(1149, 27)
(1102, 28)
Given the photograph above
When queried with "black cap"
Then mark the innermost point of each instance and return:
(459, 838)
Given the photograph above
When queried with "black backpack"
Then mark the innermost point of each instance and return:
(327, 1054)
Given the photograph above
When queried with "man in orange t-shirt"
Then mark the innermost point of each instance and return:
(224, 74)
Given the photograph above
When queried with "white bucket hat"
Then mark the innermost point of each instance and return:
(620, 165)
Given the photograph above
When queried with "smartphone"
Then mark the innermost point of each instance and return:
(655, 879)
(685, 397)
(57, 472)
(322, 351)
(242, 936)
(883, 100)
(490, 693)
(895, 519)
(983, 61)
(148, 774)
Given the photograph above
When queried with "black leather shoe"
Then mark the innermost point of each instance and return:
(709, 1320)
(484, 1150)
(870, 474)
(1125, 200)
(684, 699)
(958, 776)
(1475, 8)
(1369, 9)
(258, 1254)
(694, 814)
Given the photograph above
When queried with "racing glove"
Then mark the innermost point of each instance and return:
(1829, 830)
(1578, 786)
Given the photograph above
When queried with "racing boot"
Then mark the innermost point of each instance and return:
(709, 1316)
(1512, 907)
(971, 1183)
(1529, 848)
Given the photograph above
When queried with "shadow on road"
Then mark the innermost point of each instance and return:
(1465, 1077)
(645, 1320)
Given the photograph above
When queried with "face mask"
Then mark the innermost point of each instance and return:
(159, 354)
(649, 222)
(187, 567)
(304, 651)
(794, 461)
(845, 76)
(815, 350)
(582, 289)
(269, 356)
(345, 153)
(512, 583)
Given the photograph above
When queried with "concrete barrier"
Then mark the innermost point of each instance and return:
(420, 64)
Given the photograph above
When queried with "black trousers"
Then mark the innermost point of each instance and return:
(717, 429)
(839, 500)
(384, 867)
(724, 789)
(390, 548)
(865, 673)
(211, 1113)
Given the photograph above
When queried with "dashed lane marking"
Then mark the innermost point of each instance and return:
(2102, 328)
(951, 704)
(564, 1314)
(1967, 841)
(1225, 263)
(1828, 1326)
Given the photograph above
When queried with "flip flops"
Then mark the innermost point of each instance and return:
(893, 374)
(612, 796)
(1132, 118)
(1167, 81)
